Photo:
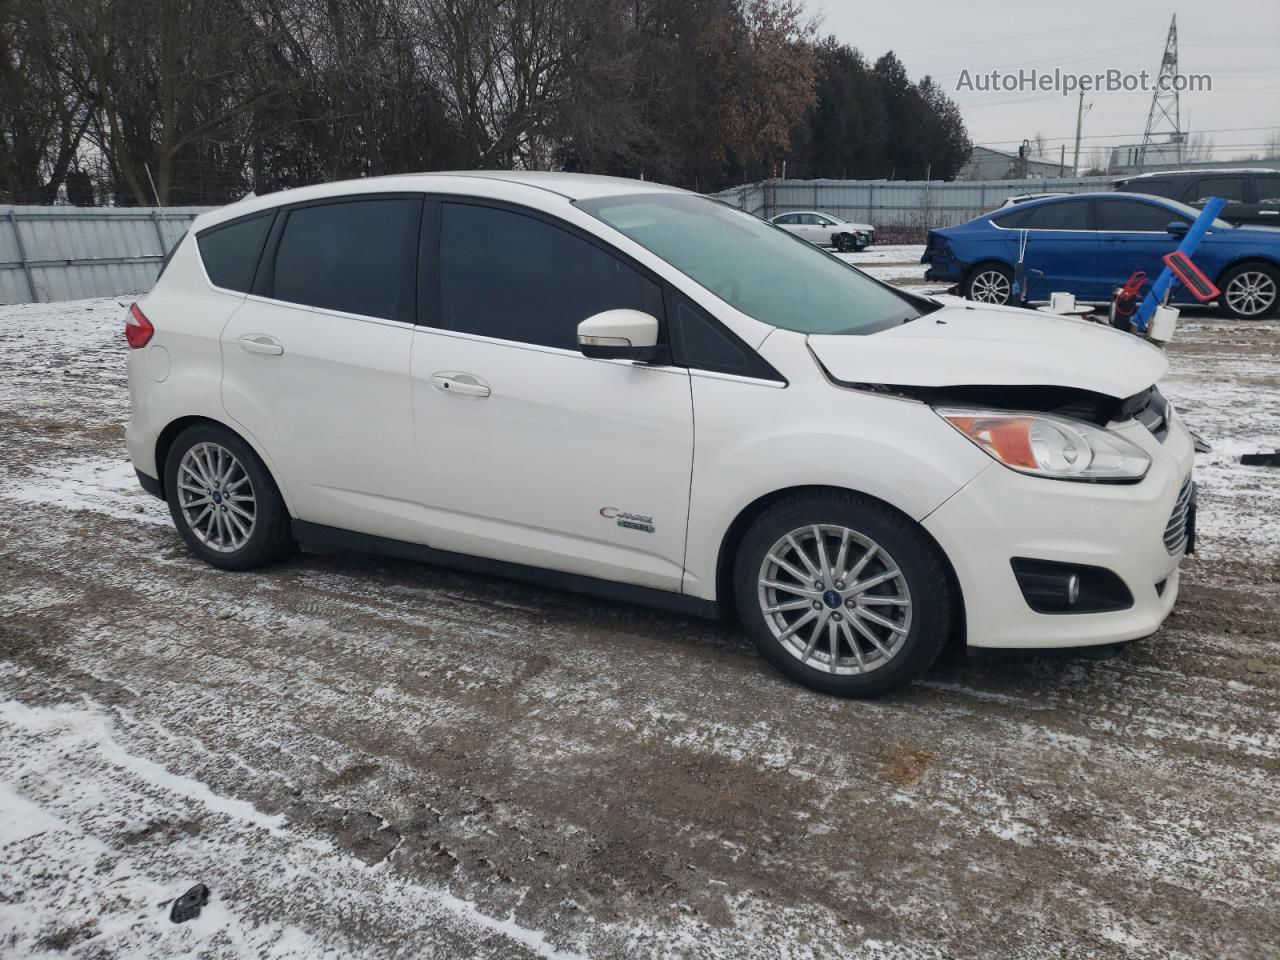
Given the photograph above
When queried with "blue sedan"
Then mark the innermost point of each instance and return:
(1089, 244)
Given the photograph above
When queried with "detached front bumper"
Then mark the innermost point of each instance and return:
(1002, 515)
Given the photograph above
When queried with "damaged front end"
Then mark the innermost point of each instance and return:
(1149, 407)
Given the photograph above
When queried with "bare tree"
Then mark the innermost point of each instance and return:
(1199, 149)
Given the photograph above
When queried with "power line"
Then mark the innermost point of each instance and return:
(1134, 133)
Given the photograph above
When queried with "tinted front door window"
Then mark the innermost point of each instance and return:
(1133, 215)
(515, 277)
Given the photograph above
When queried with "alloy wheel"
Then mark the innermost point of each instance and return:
(835, 599)
(990, 286)
(216, 497)
(1250, 293)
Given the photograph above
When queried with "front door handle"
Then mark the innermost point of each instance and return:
(460, 384)
(261, 343)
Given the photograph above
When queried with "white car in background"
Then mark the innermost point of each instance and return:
(827, 229)
(359, 366)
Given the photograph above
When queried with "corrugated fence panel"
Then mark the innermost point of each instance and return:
(897, 203)
(67, 253)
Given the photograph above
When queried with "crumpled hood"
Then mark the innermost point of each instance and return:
(972, 345)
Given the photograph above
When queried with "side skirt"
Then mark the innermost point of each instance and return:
(318, 536)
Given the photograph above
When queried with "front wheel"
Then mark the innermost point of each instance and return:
(842, 594)
(990, 283)
(1250, 291)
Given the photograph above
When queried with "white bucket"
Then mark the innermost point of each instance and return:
(1163, 323)
(1062, 302)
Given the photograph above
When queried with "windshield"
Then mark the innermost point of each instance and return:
(756, 267)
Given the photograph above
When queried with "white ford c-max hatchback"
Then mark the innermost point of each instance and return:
(633, 391)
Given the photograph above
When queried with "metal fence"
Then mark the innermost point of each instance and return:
(65, 253)
(904, 206)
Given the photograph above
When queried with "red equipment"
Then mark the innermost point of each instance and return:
(1125, 303)
(1192, 277)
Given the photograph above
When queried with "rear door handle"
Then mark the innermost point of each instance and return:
(261, 343)
(460, 384)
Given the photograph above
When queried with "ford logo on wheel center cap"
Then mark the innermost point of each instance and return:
(831, 599)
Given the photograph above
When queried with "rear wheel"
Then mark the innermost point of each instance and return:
(1250, 291)
(990, 283)
(223, 501)
(842, 594)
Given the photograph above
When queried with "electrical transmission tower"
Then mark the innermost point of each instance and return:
(1164, 116)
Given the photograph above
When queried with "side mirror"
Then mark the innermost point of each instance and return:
(619, 335)
(1178, 228)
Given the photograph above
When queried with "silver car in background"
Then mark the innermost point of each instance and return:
(827, 229)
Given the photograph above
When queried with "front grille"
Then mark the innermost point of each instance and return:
(1175, 534)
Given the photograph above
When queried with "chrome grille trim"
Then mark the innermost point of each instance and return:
(1175, 533)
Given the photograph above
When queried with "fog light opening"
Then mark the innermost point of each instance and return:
(1053, 587)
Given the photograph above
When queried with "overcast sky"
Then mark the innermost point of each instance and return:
(1235, 41)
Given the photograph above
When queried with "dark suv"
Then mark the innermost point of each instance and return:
(1253, 196)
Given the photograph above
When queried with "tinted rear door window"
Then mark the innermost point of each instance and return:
(230, 252)
(1071, 215)
(1228, 188)
(1132, 215)
(515, 277)
(1172, 189)
(351, 256)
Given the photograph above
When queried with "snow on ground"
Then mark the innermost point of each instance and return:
(365, 758)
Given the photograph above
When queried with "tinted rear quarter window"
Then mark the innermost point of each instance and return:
(230, 251)
(1013, 220)
(351, 256)
(1134, 215)
(515, 277)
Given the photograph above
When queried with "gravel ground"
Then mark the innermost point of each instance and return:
(366, 758)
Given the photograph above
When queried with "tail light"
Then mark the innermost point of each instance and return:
(137, 328)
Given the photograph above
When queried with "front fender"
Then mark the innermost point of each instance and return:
(753, 440)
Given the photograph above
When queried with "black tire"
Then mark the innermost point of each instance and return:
(983, 278)
(916, 558)
(845, 243)
(269, 535)
(1263, 279)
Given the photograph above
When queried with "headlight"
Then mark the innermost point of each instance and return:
(1048, 446)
